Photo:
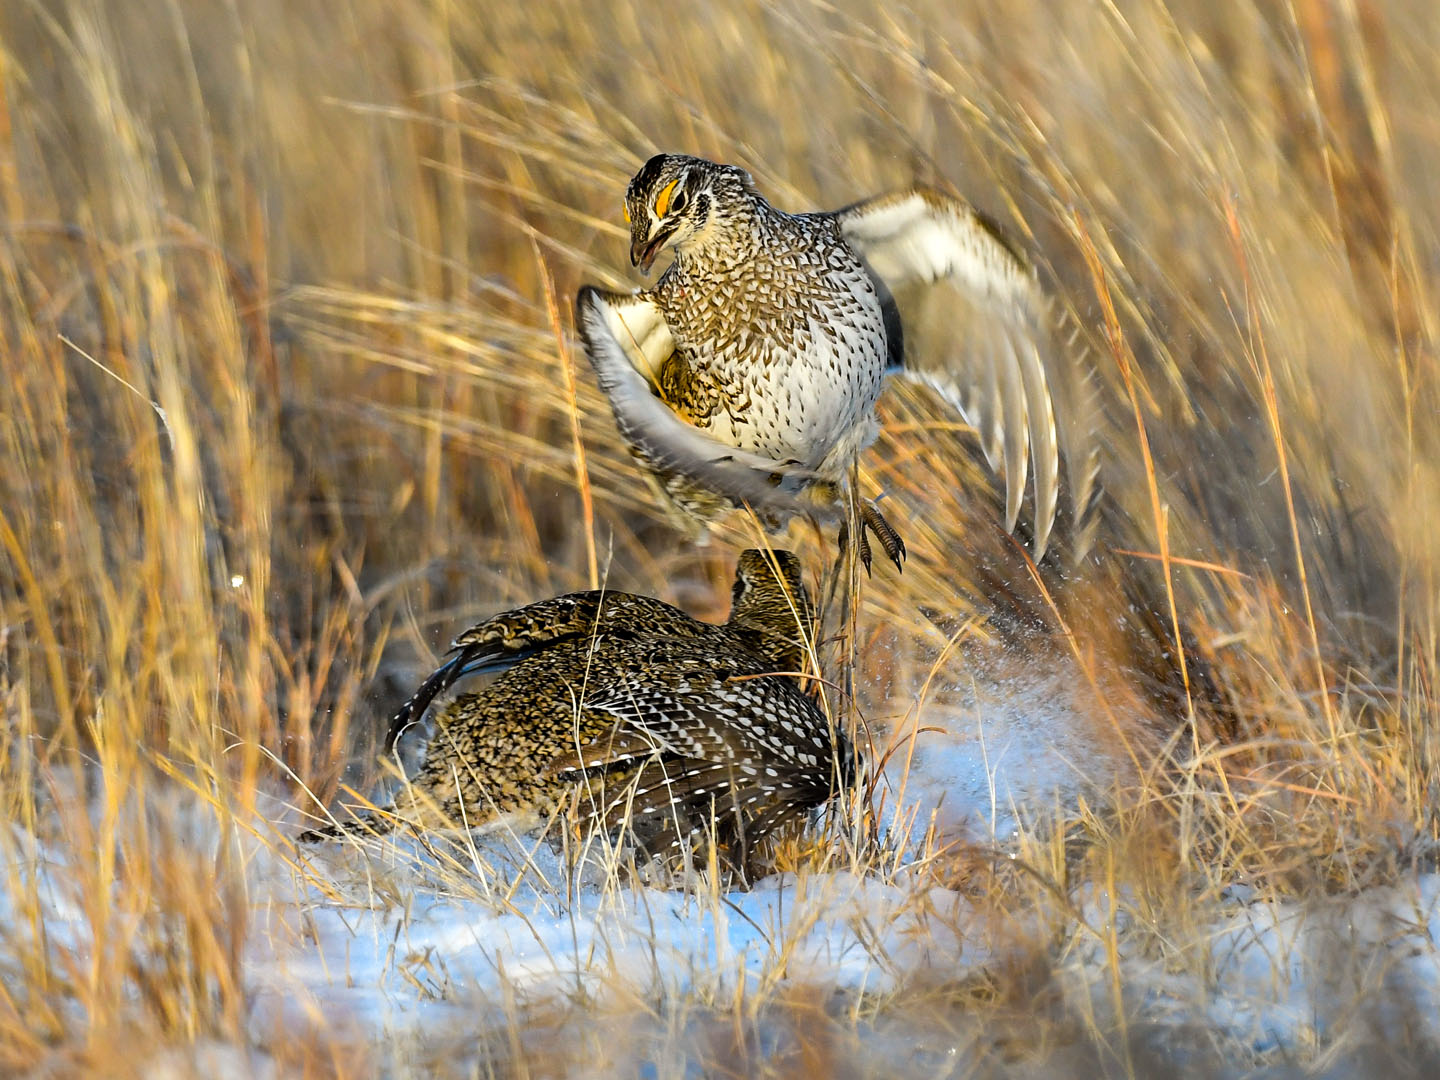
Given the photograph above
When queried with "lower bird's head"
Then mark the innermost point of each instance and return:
(770, 601)
(677, 200)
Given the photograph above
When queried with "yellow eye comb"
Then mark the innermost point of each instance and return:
(662, 201)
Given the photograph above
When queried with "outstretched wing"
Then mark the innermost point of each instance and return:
(976, 329)
(627, 339)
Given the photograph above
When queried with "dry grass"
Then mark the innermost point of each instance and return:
(287, 400)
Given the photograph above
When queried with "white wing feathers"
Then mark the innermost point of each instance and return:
(637, 325)
(626, 339)
(921, 235)
(982, 343)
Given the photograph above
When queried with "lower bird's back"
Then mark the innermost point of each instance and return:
(666, 739)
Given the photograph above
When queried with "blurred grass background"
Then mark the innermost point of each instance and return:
(285, 325)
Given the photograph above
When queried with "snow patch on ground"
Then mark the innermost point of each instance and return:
(379, 938)
(980, 756)
(384, 964)
(1269, 976)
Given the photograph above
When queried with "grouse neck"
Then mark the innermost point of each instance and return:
(778, 628)
(730, 244)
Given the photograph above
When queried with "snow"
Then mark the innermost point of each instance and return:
(380, 963)
(392, 938)
(1277, 976)
(978, 758)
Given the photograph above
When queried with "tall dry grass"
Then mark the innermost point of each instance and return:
(290, 394)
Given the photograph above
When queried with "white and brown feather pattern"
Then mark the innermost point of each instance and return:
(782, 328)
(682, 455)
(611, 700)
(795, 340)
(771, 615)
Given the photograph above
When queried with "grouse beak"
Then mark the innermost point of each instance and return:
(643, 250)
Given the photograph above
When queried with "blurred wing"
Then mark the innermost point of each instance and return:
(626, 339)
(939, 261)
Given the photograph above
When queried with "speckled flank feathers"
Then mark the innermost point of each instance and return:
(619, 709)
(749, 374)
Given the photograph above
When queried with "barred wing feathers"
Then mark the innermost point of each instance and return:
(936, 261)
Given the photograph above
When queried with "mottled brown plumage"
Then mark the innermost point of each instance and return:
(769, 615)
(619, 709)
(749, 374)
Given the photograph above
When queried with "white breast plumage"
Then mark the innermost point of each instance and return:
(783, 321)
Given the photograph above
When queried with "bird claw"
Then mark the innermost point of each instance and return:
(875, 522)
(872, 521)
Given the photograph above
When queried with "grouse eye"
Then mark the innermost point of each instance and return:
(678, 201)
